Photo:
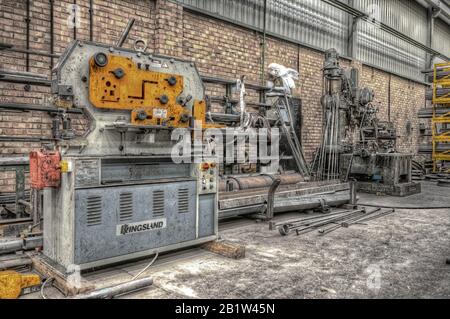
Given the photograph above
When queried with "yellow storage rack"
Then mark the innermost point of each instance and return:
(441, 122)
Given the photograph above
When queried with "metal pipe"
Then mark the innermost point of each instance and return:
(440, 92)
(310, 203)
(363, 216)
(25, 80)
(241, 211)
(260, 181)
(428, 112)
(216, 80)
(110, 292)
(287, 205)
(263, 44)
(52, 32)
(310, 220)
(271, 198)
(9, 138)
(11, 246)
(369, 218)
(302, 229)
(91, 20)
(20, 244)
(24, 203)
(431, 15)
(13, 263)
(353, 198)
(31, 107)
(389, 96)
(27, 21)
(125, 33)
(32, 52)
(19, 73)
(75, 19)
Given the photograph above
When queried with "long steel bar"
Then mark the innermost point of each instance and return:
(324, 221)
(349, 221)
(110, 292)
(344, 215)
(36, 107)
(308, 219)
(357, 220)
(314, 226)
(52, 33)
(369, 218)
(125, 33)
(27, 21)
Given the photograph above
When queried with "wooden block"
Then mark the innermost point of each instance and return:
(227, 249)
(60, 279)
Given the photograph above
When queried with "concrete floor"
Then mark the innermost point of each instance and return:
(399, 256)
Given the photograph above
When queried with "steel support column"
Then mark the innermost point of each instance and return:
(352, 41)
(432, 14)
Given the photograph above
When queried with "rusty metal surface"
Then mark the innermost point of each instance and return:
(44, 169)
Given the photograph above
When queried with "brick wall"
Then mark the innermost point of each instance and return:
(218, 48)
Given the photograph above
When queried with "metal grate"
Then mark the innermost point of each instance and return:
(126, 206)
(183, 200)
(158, 203)
(94, 210)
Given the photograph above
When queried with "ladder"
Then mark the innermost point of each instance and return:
(285, 117)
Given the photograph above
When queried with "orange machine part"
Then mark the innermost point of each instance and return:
(139, 90)
(44, 169)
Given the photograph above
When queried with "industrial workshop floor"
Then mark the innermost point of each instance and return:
(399, 256)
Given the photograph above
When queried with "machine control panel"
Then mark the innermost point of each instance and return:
(207, 174)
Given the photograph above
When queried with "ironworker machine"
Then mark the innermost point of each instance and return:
(355, 143)
(114, 193)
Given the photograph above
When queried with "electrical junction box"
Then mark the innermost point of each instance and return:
(44, 169)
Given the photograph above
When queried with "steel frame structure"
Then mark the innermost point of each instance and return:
(440, 135)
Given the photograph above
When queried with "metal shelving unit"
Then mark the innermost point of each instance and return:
(441, 121)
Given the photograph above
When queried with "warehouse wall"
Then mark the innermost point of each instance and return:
(319, 24)
(218, 48)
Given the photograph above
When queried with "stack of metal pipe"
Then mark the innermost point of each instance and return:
(328, 223)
